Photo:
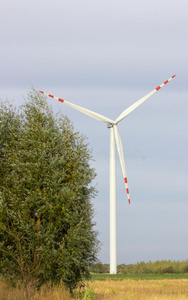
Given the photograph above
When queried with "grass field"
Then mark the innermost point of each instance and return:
(129, 289)
(109, 287)
(138, 276)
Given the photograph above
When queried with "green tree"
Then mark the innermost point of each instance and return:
(99, 268)
(46, 227)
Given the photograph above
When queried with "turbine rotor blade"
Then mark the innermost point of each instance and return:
(121, 158)
(131, 108)
(88, 112)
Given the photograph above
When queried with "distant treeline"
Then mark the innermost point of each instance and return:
(158, 267)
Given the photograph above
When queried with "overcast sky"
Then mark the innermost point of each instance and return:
(105, 55)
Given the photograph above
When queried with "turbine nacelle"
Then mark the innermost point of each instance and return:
(110, 125)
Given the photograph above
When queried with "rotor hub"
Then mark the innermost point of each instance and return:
(109, 125)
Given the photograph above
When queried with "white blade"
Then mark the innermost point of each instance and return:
(83, 110)
(121, 157)
(131, 108)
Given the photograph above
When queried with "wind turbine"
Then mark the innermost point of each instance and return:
(114, 139)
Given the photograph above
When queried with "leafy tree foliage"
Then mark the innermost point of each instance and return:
(46, 228)
(99, 268)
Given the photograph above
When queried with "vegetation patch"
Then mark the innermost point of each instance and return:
(46, 228)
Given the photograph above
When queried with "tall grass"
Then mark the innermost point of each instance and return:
(47, 292)
(126, 289)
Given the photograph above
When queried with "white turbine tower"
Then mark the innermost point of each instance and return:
(114, 139)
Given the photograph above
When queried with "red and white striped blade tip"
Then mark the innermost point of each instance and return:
(165, 82)
(127, 190)
(59, 99)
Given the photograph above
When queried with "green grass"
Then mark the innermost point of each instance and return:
(138, 276)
